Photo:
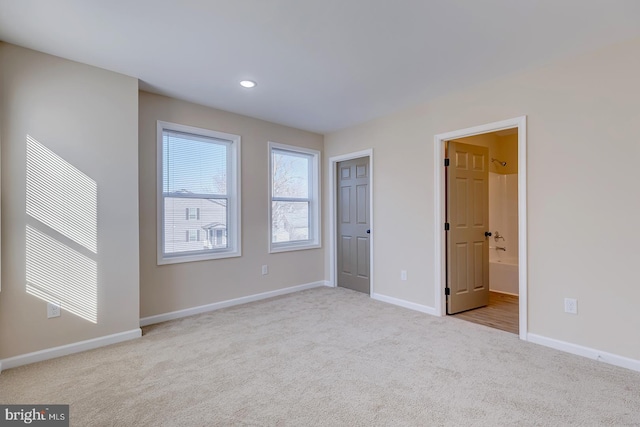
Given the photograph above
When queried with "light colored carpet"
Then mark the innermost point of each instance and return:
(327, 357)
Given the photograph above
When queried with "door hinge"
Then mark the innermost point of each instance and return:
(446, 162)
(447, 291)
(446, 226)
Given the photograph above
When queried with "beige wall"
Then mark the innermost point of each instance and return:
(174, 287)
(583, 204)
(87, 117)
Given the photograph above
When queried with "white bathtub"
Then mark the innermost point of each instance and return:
(503, 275)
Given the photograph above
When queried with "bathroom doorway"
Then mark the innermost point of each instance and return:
(492, 157)
(490, 263)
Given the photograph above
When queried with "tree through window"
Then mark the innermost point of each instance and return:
(294, 192)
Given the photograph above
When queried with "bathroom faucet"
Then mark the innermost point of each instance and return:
(498, 236)
(501, 248)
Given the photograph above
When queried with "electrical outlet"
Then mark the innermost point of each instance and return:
(571, 305)
(53, 310)
(265, 270)
(403, 274)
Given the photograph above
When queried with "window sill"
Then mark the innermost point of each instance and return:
(199, 257)
(288, 247)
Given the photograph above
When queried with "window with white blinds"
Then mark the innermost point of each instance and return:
(198, 194)
(295, 203)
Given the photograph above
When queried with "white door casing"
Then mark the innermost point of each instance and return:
(333, 208)
(439, 212)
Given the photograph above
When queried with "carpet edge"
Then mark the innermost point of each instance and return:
(150, 320)
(67, 349)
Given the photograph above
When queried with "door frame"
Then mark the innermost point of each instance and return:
(439, 212)
(333, 214)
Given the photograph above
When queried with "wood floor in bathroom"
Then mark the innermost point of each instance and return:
(501, 313)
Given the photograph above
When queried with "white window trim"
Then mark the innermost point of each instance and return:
(234, 230)
(314, 205)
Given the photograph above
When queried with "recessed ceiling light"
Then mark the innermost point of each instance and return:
(248, 84)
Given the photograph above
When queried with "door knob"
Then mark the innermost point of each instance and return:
(487, 234)
(369, 231)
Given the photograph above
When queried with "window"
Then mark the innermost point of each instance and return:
(198, 194)
(192, 235)
(294, 211)
(193, 213)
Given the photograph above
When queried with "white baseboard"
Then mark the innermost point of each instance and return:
(602, 356)
(406, 304)
(64, 350)
(145, 321)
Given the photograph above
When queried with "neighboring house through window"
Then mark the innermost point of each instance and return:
(193, 213)
(219, 236)
(193, 235)
(294, 187)
(198, 194)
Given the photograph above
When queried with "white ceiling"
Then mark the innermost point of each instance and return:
(320, 65)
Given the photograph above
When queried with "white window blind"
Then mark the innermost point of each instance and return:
(198, 194)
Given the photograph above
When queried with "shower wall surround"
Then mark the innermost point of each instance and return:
(503, 216)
